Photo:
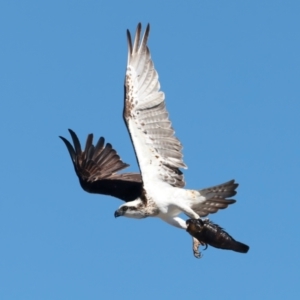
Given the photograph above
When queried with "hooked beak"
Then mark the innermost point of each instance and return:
(118, 213)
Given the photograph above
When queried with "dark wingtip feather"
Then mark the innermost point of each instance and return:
(145, 38)
(70, 148)
(89, 148)
(76, 142)
(129, 40)
(147, 30)
(100, 144)
(137, 38)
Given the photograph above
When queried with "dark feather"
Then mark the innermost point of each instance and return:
(208, 233)
(96, 169)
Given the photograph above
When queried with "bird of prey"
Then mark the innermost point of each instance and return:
(157, 149)
(158, 191)
(209, 233)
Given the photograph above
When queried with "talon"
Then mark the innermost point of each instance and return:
(198, 255)
(200, 221)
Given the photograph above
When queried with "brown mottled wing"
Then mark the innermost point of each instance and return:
(96, 168)
(157, 149)
(206, 232)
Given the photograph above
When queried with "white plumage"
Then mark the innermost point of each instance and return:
(157, 149)
(158, 190)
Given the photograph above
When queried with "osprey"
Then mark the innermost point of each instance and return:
(158, 191)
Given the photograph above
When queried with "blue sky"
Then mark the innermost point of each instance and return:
(230, 71)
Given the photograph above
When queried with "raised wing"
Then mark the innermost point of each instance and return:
(157, 149)
(96, 169)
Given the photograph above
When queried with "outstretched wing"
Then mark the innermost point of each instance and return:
(96, 169)
(157, 149)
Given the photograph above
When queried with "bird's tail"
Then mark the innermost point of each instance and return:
(211, 199)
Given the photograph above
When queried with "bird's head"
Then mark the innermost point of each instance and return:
(133, 209)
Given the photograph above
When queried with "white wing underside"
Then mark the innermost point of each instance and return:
(157, 149)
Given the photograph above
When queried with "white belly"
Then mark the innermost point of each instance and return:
(166, 198)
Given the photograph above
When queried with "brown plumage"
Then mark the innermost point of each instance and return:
(96, 168)
(208, 233)
(218, 198)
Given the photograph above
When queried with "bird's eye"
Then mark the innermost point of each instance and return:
(124, 208)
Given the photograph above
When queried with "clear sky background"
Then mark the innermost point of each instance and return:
(230, 71)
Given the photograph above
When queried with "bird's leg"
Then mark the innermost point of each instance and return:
(188, 211)
(175, 221)
(196, 245)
